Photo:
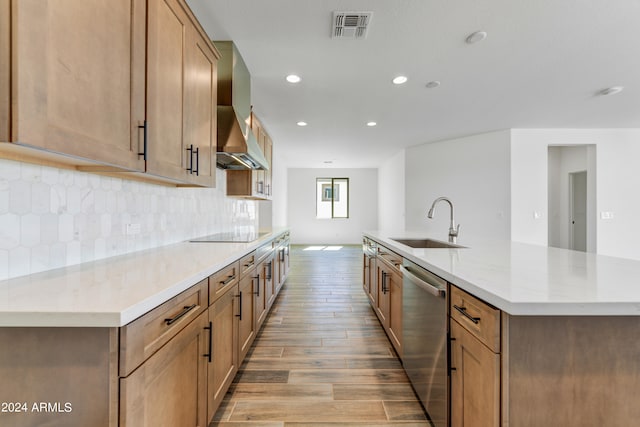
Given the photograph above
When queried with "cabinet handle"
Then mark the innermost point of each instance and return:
(450, 338)
(239, 296)
(197, 152)
(282, 255)
(257, 293)
(463, 311)
(270, 273)
(144, 141)
(249, 265)
(185, 310)
(190, 150)
(384, 282)
(229, 279)
(210, 328)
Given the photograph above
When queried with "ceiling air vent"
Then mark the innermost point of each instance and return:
(350, 25)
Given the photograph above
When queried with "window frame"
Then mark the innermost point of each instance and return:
(332, 179)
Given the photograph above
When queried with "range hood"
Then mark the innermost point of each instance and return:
(237, 146)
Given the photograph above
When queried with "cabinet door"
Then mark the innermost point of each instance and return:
(369, 275)
(169, 388)
(201, 85)
(268, 153)
(166, 53)
(224, 357)
(382, 294)
(246, 314)
(271, 280)
(475, 381)
(394, 282)
(5, 69)
(79, 71)
(260, 294)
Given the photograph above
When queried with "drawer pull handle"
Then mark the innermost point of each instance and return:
(257, 292)
(463, 311)
(210, 329)
(249, 265)
(239, 296)
(269, 268)
(385, 288)
(229, 279)
(185, 310)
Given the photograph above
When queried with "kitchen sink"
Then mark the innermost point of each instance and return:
(427, 243)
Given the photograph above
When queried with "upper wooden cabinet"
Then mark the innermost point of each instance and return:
(181, 95)
(127, 86)
(77, 78)
(254, 184)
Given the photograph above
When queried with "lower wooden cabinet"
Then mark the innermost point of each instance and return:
(475, 381)
(369, 283)
(394, 330)
(388, 299)
(224, 362)
(474, 330)
(246, 313)
(169, 389)
(261, 292)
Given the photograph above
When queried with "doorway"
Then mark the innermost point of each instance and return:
(572, 195)
(578, 211)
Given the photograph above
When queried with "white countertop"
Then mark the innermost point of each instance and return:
(114, 291)
(524, 279)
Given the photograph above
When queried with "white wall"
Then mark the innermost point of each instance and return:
(301, 212)
(473, 172)
(391, 190)
(279, 181)
(53, 217)
(617, 176)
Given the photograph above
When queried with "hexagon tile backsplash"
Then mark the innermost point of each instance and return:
(52, 218)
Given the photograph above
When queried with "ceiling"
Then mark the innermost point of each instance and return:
(541, 66)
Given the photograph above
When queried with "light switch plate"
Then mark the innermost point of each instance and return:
(132, 229)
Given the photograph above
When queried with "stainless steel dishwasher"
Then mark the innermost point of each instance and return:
(424, 332)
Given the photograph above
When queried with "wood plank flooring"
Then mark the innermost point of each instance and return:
(322, 359)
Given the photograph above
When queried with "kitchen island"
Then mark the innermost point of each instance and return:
(148, 338)
(566, 350)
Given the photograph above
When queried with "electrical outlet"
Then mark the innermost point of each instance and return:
(606, 215)
(132, 229)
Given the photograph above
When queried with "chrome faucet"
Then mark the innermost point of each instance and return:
(453, 230)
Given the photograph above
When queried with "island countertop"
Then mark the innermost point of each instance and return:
(530, 280)
(114, 291)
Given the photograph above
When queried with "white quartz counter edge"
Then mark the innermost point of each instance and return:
(114, 291)
(531, 280)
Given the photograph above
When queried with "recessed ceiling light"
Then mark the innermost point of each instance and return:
(292, 78)
(432, 84)
(328, 162)
(476, 37)
(371, 124)
(301, 123)
(611, 90)
(400, 80)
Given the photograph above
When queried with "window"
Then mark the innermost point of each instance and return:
(332, 197)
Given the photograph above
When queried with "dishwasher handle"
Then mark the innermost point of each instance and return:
(424, 284)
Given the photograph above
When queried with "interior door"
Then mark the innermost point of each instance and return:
(578, 211)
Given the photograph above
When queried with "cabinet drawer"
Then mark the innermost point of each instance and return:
(392, 259)
(263, 251)
(247, 263)
(223, 280)
(477, 317)
(145, 335)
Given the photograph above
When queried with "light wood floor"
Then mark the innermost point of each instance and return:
(322, 359)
